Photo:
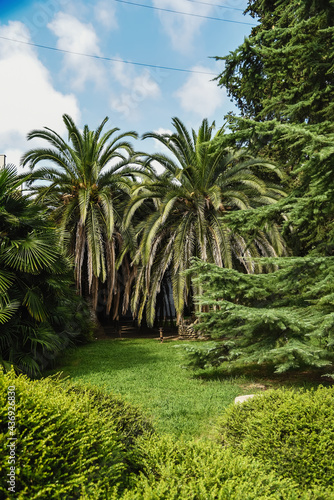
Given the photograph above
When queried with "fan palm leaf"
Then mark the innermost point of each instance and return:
(37, 296)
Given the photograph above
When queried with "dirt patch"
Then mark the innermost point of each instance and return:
(131, 331)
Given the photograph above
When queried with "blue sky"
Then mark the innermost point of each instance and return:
(38, 85)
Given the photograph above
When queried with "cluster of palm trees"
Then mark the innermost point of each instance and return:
(131, 230)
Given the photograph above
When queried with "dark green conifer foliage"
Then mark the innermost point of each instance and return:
(306, 215)
(284, 318)
(281, 78)
(284, 69)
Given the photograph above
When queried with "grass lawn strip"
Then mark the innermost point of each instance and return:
(152, 375)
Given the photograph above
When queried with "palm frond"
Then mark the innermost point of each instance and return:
(7, 311)
(30, 254)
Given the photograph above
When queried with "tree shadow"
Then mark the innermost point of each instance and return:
(265, 376)
(117, 354)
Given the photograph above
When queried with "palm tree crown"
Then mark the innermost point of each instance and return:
(88, 178)
(202, 181)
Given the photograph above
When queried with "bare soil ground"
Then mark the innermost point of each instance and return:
(129, 330)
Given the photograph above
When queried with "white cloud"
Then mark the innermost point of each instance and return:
(200, 95)
(138, 88)
(158, 146)
(163, 131)
(76, 36)
(182, 29)
(28, 98)
(105, 13)
(13, 156)
(158, 167)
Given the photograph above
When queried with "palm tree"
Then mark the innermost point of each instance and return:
(40, 312)
(185, 218)
(88, 178)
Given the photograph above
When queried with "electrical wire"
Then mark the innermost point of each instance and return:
(184, 13)
(169, 68)
(216, 5)
(112, 59)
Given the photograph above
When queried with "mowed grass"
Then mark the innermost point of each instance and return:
(152, 375)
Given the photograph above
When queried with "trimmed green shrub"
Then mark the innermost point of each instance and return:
(176, 469)
(128, 419)
(78, 442)
(291, 432)
(65, 447)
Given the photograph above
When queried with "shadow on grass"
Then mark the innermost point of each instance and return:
(98, 356)
(265, 375)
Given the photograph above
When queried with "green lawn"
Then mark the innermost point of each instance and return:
(152, 375)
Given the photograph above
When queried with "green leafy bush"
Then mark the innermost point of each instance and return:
(177, 469)
(78, 442)
(291, 432)
(66, 447)
(127, 418)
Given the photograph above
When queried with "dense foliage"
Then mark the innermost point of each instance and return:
(283, 318)
(76, 442)
(281, 79)
(68, 444)
(290, 431)
(40, 313)
(87, 182)
(204, 470)
(305, 215)
(128, 420)
(203, 180)
(284, 69)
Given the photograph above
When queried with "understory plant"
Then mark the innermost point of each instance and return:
(40, 313)
(174, 469)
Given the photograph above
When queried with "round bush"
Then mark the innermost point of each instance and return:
(128, 419)
(65, 447)
(291, 431)
(177, 469)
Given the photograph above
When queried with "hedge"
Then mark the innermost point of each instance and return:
(291, 431)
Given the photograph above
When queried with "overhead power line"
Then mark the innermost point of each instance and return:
(108, 58)
(216, 5)
(184, 13)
